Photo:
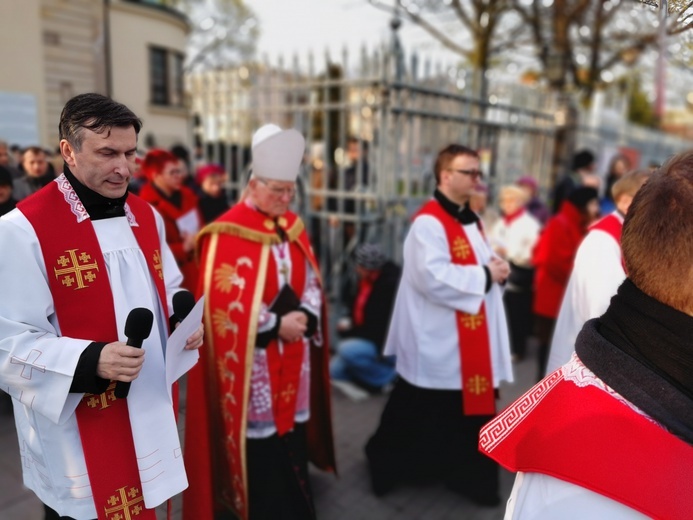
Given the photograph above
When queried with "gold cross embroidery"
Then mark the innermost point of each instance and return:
(122, 507)
(477, 385)
(460, 248)
(102, 400)
(68, 276)
(157, 264)
(288, 393)
(472, 321)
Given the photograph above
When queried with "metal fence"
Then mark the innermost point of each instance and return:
(373, 126)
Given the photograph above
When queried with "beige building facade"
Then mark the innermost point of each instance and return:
(52, 50)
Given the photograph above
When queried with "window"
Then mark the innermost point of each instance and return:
(166, 77)
(51, 38)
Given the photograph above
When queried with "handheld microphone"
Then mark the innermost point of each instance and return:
(138, 326)
(183, 302)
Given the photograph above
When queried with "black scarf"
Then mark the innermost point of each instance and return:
(461, 213)
(98, 206)
(643, 349)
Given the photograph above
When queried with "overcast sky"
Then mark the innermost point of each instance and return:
(289, 26)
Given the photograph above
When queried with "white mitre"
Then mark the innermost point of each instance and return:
(277, 153)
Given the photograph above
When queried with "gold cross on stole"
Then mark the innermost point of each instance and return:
(122, 508)
(73, 274)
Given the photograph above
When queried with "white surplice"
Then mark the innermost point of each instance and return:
(597, 274)
(518, 238)
(541, 497)
(38, 364)
(423, 331)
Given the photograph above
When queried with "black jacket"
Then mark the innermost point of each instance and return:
(378, 308)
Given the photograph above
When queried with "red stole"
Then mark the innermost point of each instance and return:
(285, 364)
(472, 329)
(585, 436)
(82, 297)
(237, 268)
(612, 225)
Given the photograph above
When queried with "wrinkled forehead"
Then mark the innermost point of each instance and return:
(279, 184)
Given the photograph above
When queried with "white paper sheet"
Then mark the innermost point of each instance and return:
(188, 224)
(179, 360)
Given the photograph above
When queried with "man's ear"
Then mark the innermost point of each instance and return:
(67, 152)
(623, 203)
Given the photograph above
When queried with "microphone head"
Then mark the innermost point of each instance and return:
(183, 302)
(139, 323)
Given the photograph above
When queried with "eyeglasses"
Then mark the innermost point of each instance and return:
(279, 192)
(476, 174)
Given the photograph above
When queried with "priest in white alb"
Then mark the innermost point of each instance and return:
(84, 255)
(449, 334)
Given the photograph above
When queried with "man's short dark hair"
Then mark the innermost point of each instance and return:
(448, 154)
(95, 112)
(657, 239)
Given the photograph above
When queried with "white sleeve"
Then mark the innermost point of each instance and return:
(521, 247)
(431, 271)
(598, 272)
(595, 278)
(37, 365)
(540, 497)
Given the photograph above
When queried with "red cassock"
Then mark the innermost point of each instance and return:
(170, 213)
(236, 266)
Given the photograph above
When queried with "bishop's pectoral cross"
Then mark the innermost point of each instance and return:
(284, 270)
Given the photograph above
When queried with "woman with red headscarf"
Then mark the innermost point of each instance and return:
(177, 205)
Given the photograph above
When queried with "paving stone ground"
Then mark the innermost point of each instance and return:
(347, 497)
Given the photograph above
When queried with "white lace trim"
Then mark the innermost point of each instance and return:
(575, 372)
(130, 216)
(71, 198)
(78, 208)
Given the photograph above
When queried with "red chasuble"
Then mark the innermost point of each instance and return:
(573, 427)
(170, 213)
(83, 302)
(238, 274)
(478, 396)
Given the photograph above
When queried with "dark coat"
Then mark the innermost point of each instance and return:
(378, 308)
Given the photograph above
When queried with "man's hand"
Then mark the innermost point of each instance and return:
(195, 341)
(292, 326)
(500, 269)
(188, 242)
(120, 362)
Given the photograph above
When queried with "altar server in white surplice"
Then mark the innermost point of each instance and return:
(84, 255)
(449, 334)
(597, 272)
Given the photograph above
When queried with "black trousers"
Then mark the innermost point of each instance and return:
(518, 308)
(278, 482)
(424, 435)
(51, 514)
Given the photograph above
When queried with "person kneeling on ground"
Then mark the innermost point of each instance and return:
(359, 367)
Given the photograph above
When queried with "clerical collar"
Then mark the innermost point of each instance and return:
(461, 213)
(98, 206)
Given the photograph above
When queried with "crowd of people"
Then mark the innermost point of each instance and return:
(107, 241)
